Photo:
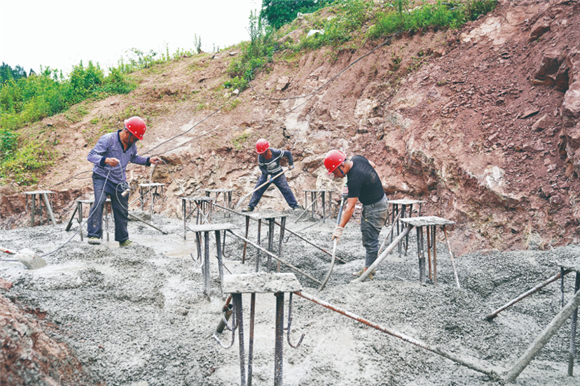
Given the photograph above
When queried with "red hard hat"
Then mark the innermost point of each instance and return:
(262, 145)
(136, 126)
(333, 159)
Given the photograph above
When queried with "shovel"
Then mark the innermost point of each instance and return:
(258, 188)
(26, 257)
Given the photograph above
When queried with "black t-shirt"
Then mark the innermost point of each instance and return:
(364, 182)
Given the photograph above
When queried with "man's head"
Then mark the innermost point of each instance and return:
(334, 163)
(136, 127)
(262, 146)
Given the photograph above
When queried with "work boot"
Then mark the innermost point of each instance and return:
(298, 207)
(94, 240)
(248, 209)
(125, 243)
(371, 276)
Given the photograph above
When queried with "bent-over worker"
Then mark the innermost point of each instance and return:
(365, 185)
(111, 155)
(269, 163)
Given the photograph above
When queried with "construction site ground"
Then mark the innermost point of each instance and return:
(138, 315)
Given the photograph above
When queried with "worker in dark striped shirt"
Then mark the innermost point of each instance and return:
(111, 155)
(269, 163)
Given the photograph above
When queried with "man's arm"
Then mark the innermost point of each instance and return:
(288, 155)
(96, 155)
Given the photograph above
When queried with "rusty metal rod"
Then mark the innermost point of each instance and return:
(526, 294)
(310, 242)
(462, 361)
(274, 256)
(451, 255)
(379, 259)
(543, 338)
(251, 342)
(279, 341)
(572, 352)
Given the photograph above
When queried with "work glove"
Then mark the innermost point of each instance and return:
(290, 167)
(337, 234)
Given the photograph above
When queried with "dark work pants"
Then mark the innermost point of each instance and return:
(282, 185)
(373, 219)
(119, 204)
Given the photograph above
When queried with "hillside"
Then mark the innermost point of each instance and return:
(481, 124)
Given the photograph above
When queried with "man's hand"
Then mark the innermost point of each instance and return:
(337, 234)
(154, 160)
(112, 162)
(290, 167)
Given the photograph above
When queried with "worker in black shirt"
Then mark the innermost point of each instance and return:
(269, 163)
(365, 185)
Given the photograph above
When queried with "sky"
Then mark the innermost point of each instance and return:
(61, 33)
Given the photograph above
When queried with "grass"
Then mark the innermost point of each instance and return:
(344, 28)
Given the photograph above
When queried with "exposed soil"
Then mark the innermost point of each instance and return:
(482, 124)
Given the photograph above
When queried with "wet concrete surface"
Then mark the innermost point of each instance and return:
(138, 314)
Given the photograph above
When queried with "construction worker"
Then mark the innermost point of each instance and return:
(363, 184)
(111, 155)
(269, 163)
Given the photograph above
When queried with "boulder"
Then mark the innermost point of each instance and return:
(549, 65)
(541, 27)
(541, 124)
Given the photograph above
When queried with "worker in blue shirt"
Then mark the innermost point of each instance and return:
(111, 155)
(269, 163)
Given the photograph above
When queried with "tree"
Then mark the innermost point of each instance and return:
(276, 13)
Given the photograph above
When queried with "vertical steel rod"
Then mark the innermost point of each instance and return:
(184, 209)
(270, 240)
(434, 238)
(572, 353)
(218, 245)
(245, 242)
(206, 264)
(259, 244)
(33, 209)
(562, 286)
(279, 348)
(282, 228)
(240, 320)
(429, 253)
(251, 343)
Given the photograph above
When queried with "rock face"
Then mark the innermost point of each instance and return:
(571, 111)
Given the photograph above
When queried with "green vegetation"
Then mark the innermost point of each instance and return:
(239, 141)
(22, 162)
(345, 24)
(28, 100)
(276, 13)
(406, 16)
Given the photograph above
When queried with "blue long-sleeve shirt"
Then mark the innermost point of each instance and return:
(272, 166)
(110, 146)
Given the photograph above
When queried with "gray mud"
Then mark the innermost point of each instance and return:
(139, 315)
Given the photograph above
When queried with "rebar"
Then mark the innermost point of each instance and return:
(462, 361)
(251, 343)
(240, 321)
(543, 338)
(451, 256)
(290, 325)
(526, 294)
(279, 345)
(572, 353)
